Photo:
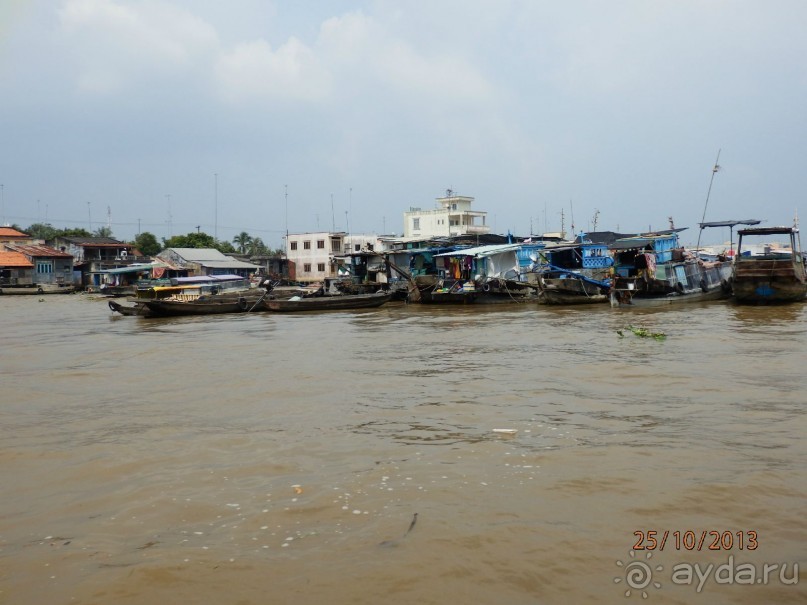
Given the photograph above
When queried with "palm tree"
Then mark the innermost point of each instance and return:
(257, 246)
(242, 241)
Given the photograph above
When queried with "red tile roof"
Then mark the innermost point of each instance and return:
(13, 259)
(9, 232)
(38, 250)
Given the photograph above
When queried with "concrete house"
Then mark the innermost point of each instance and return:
(453, 216)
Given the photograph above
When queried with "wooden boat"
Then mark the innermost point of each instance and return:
(571, 290)
(129, 310)
(653, 270)
(328, 303)
(574, 274)
(36, 289)
(775, 276)
(214, 304)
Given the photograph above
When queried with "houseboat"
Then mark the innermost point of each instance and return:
(654, 269)
(775, 274)
(570, 274)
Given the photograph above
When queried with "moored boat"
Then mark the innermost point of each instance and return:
(328, 303)
(574, 274)
(776, 275)
(653, 269)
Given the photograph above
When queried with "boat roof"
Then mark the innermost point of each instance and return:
(482, 250)
(134, 268)
(750, 221)
(641, 241)
(201, 279)
(768, 231)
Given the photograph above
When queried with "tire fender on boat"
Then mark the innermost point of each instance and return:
(242, 303)
(704, 286)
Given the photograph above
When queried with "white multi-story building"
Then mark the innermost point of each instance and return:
(311, 255)
(453, 216)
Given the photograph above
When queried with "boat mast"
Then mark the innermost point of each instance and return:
(705, 205)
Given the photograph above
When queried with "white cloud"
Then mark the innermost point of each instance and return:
(117, 46)
(254, 71)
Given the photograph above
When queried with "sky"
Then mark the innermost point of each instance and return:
(171, 116)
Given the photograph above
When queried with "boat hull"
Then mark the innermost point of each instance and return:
(36, 290)
(768, 281)
(328, 303)
(213, 305)
(570, 291)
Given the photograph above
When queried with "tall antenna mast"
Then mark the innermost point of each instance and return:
(108, 217)
(216, 206)
(333, 217)
(705, 205)
(286, 195)
(571, 207)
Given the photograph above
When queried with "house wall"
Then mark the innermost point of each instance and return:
(453, 216)
(52, 270)
(312, 254)
(16, 276)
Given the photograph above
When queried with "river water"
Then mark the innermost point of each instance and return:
(351, 457)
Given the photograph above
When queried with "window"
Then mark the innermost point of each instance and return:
(294, 245)
(44, 267)
(320, 244)
(321, 267)
(453, 206)
(307, 268)
(306, 245)
(357, 247)
(416, 224)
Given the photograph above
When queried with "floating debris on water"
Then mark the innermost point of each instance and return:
(642, 333)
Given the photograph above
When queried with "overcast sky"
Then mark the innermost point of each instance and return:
(233, 116)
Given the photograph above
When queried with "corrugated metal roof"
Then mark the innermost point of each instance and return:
(39, 250)
(14, 259)
(482, 250)
(211, 258)
(135, 268)
(95, 241)
(196, 255)
(230, 263)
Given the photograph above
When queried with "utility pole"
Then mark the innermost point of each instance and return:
(89, 217)
(286, 187)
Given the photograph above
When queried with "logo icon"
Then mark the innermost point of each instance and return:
(638, 575)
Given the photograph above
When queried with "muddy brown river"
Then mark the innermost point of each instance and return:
(510, 454)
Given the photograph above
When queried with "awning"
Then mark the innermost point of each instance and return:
(137, 268)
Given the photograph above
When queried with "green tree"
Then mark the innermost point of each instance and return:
(147, 243)
(242, 241)
(44, 231)
(103, 232)
(191, 240)
(257, 247)
(224, 247)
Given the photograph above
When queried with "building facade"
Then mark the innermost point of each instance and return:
(453, 216)
(312, 256)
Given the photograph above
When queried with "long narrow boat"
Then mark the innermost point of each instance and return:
(775, 276)
(328, 303)
(236, 302)
(653, 269)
